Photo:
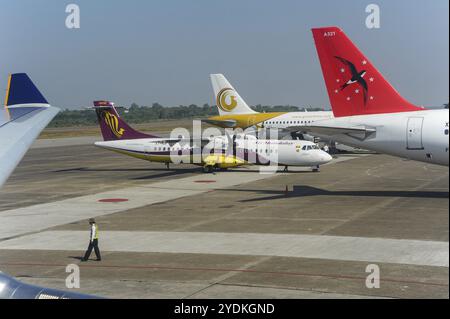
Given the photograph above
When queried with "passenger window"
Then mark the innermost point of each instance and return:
(446, 131)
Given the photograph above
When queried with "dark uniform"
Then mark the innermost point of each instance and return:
(93, 242)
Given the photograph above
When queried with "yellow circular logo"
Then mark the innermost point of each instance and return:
(226, 100)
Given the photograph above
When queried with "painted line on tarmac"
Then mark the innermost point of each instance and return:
(363, 249)
(228, 270)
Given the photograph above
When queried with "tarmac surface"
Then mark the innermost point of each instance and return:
(180, 233)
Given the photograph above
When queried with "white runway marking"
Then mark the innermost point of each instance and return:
(398, 251)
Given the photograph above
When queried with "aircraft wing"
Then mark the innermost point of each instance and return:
(221, 123)
(11, 288)
(26, 114)
(357, 132)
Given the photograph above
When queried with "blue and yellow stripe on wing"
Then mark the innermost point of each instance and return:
(8, 86)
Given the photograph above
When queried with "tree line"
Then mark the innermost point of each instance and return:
(137, 114)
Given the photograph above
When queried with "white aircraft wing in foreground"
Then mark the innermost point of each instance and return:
(25, 115)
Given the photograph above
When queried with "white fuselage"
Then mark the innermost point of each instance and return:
(248, 150)
(295, 119)
(419, 135)
(282, 152)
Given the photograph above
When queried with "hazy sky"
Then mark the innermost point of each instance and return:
(164, 50)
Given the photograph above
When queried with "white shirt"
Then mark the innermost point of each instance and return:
(93, 232)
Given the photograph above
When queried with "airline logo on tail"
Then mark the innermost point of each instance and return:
(227, 100)
(354, 84)
(354, 76)
(113, 123)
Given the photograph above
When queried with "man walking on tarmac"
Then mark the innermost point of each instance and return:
(93, 243)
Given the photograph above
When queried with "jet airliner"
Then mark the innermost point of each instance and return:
(234, 112)
(368, 112)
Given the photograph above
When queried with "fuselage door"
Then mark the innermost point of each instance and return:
(414, 133)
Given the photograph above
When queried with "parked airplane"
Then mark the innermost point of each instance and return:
(234, 112)
(369, 112)
(242, 116)
(26, 114)
(218, 152)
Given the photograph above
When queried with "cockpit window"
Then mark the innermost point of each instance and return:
(310, 147)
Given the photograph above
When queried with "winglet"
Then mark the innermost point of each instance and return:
(22, 97)
(21, 90)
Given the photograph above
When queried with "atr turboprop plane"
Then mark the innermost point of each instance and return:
(368, 112)
(220, 152)
(25, 115)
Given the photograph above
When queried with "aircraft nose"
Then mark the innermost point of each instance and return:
(325, 157)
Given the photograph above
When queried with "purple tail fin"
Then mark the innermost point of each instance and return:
(112, 126)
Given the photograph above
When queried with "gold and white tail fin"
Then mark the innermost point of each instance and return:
(228, 100)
